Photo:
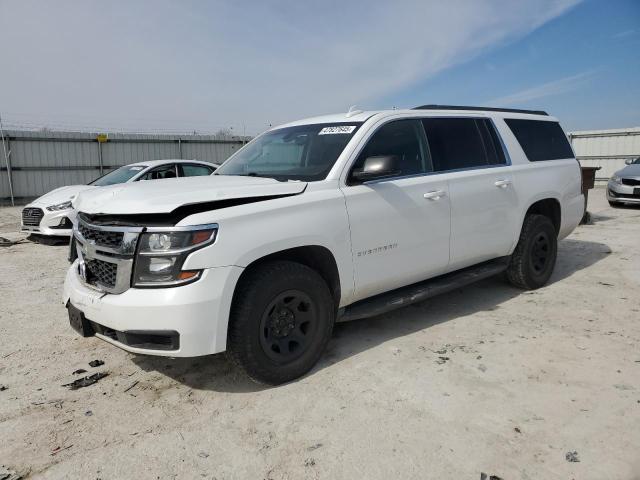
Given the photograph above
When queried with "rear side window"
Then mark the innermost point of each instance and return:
(540, 140)
(194, 170)
(457, 143)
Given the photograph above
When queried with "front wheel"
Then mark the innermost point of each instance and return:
(534, 258)
(281, 321)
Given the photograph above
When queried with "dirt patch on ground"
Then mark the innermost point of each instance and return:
(486, 379)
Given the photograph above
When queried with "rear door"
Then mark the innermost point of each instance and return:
(400, 225)
(484, 201)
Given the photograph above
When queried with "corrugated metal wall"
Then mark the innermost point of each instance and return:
(606, 148)
(42, 161)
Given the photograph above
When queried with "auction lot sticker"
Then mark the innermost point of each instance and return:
(337, 129)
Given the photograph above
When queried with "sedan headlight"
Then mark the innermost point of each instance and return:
(615, 179)
(60, 206)
(161, 255)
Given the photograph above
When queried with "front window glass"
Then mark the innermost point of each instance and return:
(160, 173)
(304, 152)
(401, 138)
(121, 175)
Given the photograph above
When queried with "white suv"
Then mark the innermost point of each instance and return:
(322, 220)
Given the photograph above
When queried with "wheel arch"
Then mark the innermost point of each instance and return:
(549, 207)
(316, 257)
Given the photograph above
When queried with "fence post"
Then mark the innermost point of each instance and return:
(179, 148)
(7, 162)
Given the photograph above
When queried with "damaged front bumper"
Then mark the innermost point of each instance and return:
(185, 321)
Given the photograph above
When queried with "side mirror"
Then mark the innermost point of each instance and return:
(379, 166)
(628, 161)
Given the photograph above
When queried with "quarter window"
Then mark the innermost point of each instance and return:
(403, 138)
(541, 140)
(457, 143)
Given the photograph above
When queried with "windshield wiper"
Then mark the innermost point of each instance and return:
(261, 175)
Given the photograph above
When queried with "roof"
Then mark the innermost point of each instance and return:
(361, 116)
(154, 163)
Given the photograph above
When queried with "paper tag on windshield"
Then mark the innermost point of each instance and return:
(337, 129)
(135, 169)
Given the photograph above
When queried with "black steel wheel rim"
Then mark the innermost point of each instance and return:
(288, 326)
(540, 253)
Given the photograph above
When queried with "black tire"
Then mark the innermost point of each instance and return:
(281, 321)
(534, 258)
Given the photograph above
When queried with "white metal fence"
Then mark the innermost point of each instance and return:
(38, 162)
(606, 148)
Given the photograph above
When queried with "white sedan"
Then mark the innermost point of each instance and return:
(52, 213)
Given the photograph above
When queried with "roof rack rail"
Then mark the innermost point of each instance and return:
(482, 109)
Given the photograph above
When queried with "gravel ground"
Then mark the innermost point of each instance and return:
(485, 379)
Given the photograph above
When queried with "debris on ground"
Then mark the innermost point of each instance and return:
(57, 450)
(606, 284)
(96, 363)
(309, 462)
(314, 447)
(482, 367)
(441, 360)
(131, 386)
(88, 413)
(85, 381)
(3, 388)
(517, 429)
(572, 456)
(7, 474)
(79, 371)
(5, 242)
(484, 476)
(203, 454)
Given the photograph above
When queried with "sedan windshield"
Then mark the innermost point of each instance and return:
(121, 175)
(304, 152)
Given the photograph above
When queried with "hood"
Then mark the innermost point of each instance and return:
(629, 171)
(62, 194)
(164, 196)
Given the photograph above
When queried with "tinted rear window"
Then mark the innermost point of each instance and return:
(457, 143)
(540, 140)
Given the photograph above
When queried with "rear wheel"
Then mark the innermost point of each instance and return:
(281, 320)
(534, 258)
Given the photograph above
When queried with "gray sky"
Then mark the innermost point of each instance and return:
(180, 66)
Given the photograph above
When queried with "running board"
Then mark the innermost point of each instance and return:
(401, 297)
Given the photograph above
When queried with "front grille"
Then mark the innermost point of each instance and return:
(101, 237)
(631, 181)
(32, 216)
(102, 272)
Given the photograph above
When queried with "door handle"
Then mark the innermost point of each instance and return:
(435, 195)
(502, 183)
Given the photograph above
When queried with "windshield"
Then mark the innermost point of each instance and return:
(304, 152)
(121, 175)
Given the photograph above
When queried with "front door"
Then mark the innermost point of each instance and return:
(400, 225)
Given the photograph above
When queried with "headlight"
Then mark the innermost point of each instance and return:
(615, 179)
(162, 254)
(60, 206)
